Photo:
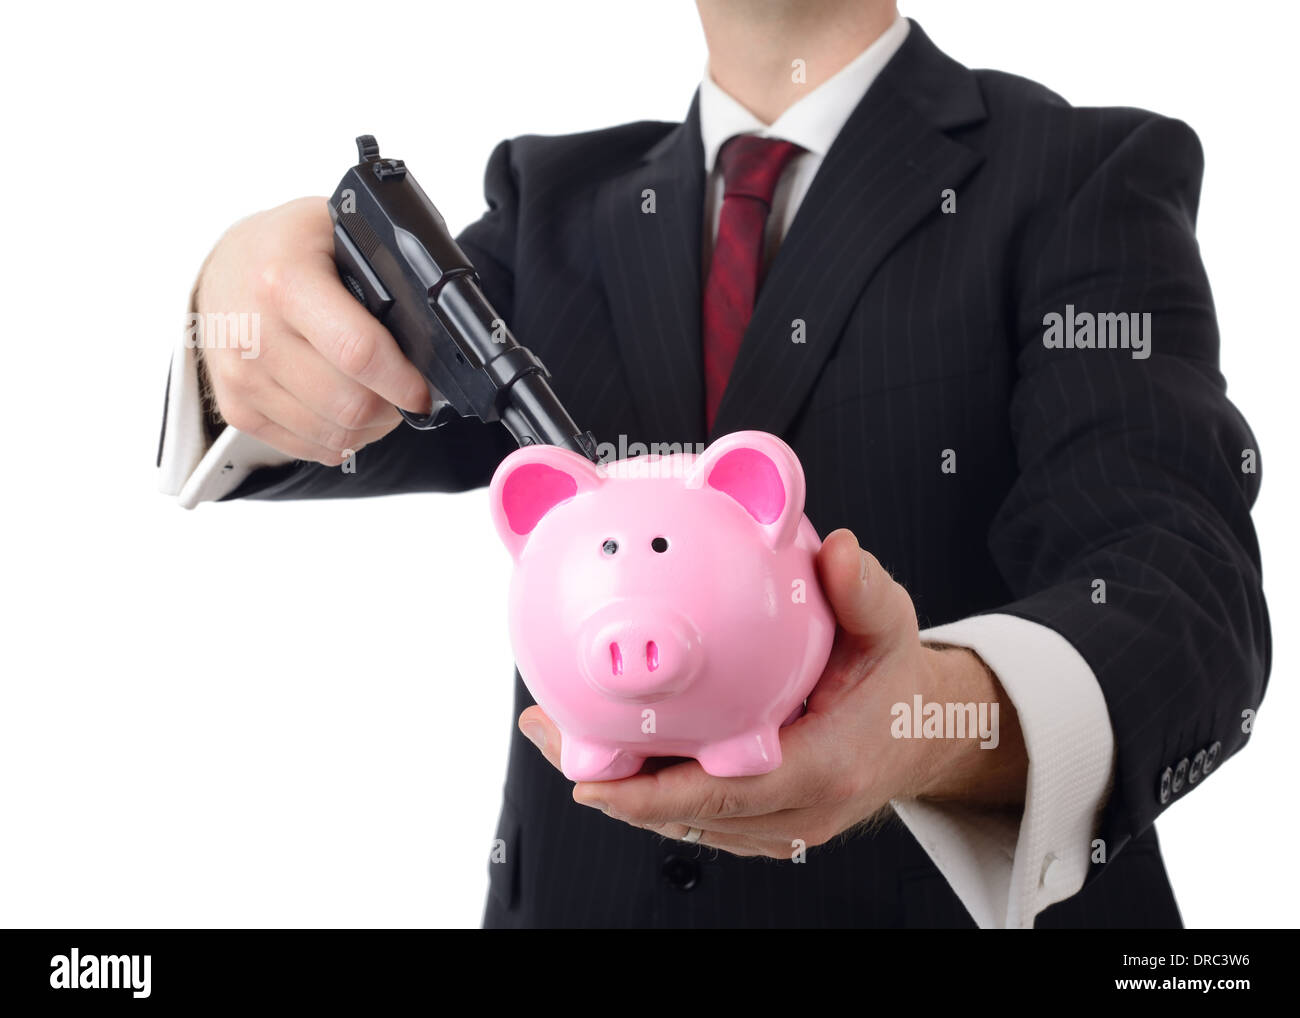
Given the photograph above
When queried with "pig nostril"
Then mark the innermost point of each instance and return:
(616, 658)
(652, 655)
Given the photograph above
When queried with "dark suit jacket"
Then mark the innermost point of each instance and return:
(924, 333)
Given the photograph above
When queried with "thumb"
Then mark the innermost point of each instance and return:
(868, 604)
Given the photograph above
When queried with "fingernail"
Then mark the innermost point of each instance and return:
(535, 734)
(599, 804)
(863, 567)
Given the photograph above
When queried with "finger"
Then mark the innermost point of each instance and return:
(301, 370)
(729, 843)
(868, 604)
(251, 422)
(779, 835)
(811, 825)
(282, 408)
(688, 794)
(542, 733)
(683, 793)
(316, 304)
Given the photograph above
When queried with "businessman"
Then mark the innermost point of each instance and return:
(979, 317)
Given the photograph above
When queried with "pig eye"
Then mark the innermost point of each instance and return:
(660, 544)
(609, 547)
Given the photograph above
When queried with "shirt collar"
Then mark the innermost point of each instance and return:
(815, 120)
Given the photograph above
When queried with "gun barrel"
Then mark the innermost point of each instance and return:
(397, 257)
(527, 404)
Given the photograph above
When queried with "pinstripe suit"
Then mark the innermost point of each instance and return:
(923, 344)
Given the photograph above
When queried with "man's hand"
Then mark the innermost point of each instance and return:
(842, 764)
(327, 375)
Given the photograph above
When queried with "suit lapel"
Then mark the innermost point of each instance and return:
(650, 266)
(881, 178)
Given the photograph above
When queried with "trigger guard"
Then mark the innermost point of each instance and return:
(441, 413)
(421, 422)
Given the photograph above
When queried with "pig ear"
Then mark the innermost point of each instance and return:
(529, 483)
(760, 472)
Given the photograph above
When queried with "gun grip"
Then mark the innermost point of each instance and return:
(357, 275)
(361, 282)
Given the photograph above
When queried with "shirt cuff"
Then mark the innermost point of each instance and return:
(188, 466)
(183, 440)
(1005, 872)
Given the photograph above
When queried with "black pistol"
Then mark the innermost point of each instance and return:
(394, 253)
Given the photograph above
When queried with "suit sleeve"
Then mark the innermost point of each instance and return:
(1128, 530)
(1007, 869)
(456, 457)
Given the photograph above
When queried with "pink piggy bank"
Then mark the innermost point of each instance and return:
(664, 605)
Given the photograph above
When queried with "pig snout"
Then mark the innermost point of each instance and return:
(639, 652)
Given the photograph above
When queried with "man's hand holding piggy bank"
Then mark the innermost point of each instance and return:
(683, 607)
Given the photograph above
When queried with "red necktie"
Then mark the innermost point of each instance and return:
(751, 167)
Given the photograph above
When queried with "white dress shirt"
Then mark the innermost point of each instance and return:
(1004, 870)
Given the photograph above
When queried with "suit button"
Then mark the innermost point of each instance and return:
(1180, 775)
(1198, 767)
(1212, 758)
(1166, 785)
(680, 872)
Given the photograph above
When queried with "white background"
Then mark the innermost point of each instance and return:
(297, 714)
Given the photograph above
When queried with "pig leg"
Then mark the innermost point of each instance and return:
(755, 752)
(582, 760)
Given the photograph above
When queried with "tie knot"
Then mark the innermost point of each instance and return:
(751, 165)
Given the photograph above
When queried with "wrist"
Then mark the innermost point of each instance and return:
(984, 760)
(213, 422)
